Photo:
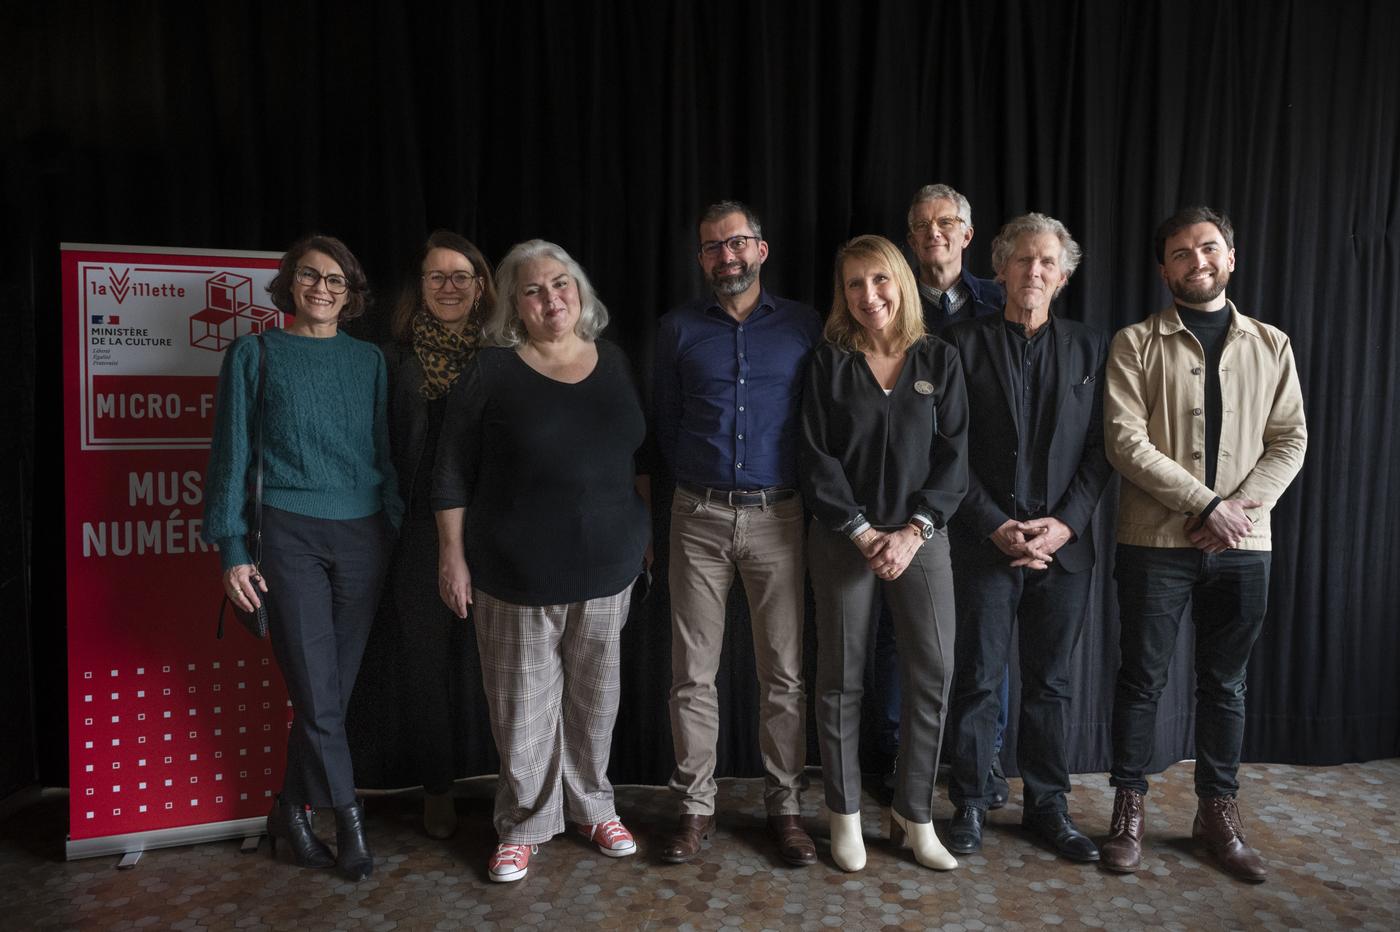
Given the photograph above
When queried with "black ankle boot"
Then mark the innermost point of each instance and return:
(353, 857)
(291, 823)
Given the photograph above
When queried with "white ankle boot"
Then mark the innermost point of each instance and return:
(921, 837)
(847, 845)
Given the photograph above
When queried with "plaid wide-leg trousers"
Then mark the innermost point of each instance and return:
(551, 679)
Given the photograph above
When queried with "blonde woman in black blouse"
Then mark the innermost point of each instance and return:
(883, 467)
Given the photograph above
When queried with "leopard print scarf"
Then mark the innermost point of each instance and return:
(442, 353)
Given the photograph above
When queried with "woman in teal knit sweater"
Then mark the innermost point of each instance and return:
(330, 504)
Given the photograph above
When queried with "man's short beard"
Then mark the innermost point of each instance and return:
(1187, 293)
(730, 287)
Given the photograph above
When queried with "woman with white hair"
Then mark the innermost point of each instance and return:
(543, 527)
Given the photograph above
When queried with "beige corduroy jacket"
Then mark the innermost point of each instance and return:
(1155, 425)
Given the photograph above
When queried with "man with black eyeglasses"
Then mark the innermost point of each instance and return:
(728, 371)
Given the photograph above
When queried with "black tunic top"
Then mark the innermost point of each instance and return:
(884, 456)
(546, 472)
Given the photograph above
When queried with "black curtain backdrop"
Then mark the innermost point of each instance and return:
(605, 127)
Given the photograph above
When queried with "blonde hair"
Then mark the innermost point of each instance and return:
(841, 329)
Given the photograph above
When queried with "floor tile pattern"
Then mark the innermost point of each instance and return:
(1328, 835)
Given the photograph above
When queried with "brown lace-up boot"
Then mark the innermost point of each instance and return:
(1122, 852)
(1218, 824)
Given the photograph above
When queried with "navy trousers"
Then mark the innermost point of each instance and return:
(323, 579)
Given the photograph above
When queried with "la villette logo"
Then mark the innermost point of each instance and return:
(120, 283)
(119, 286)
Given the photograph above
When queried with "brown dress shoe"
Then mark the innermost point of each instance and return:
(685, 843)
(794, 845)
(1218, 824)
(1122, 852)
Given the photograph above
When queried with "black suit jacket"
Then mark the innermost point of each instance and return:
(1077, 471)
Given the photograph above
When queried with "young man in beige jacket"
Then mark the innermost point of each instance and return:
(1203, 417)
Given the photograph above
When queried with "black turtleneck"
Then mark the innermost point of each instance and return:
(1210, 328)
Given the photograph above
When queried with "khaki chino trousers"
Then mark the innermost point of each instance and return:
(710, 542)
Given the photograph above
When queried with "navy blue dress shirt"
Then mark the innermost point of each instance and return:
(727, 393)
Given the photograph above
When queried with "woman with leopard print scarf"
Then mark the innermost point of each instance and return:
(424, 696)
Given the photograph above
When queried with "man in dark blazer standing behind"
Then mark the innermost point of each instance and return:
(1021, 542)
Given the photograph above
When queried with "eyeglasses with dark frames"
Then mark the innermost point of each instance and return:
(459, 279)
(735, 244)
(335, 282)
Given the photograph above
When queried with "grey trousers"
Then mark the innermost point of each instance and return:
(710, 542)
(921, 602)
(551, 678)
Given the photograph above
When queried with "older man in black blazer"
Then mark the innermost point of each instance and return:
(1021, 542)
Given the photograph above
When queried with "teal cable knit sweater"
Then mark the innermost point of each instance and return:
(325, 436)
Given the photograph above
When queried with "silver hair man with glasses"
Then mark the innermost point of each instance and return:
(940, 228)
(728, 376)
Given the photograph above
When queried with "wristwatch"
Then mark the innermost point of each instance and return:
(923, 524)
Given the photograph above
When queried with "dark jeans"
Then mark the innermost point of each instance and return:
(888, 695)
(323, 580)
(1049, 606)
(1227, 593)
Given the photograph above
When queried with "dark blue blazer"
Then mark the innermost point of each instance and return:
(986, 299)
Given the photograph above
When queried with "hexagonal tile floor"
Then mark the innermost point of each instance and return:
(1328, 835)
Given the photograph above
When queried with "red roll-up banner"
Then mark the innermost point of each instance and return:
(174, 737)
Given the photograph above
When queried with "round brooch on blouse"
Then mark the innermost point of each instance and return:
(923, 388)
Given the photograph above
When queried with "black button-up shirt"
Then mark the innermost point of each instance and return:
(1032, 373)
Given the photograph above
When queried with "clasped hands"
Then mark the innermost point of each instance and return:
(888, 552)
(1032, 543)
(1224, 527)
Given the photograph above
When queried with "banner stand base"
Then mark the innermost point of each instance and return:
(129, 860)
(131, 846)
